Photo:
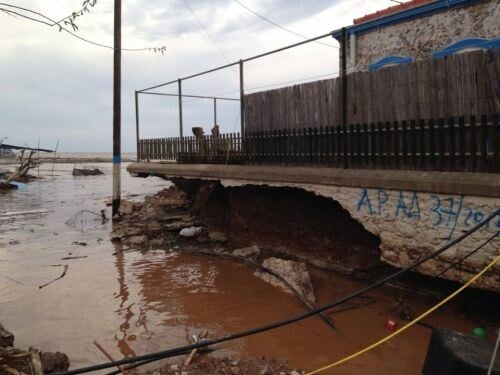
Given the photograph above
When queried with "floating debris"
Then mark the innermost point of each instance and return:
(77, 243)
(59, 278)
(87, 170)
(75, 257)
(22, 213)
(85, 216)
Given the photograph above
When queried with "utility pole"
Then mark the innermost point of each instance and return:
(117, 106)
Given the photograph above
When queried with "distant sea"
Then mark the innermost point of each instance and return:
(77, 157)
(92, 155)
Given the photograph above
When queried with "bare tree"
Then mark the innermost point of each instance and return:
(64, 24)
(26, 163)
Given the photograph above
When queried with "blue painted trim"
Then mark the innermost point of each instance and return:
(389, 60)
(404, 15)
(117, 159)
(477, 43)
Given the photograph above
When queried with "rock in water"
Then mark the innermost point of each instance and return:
(6, 337)
(251, 252)
(126, 207)
(54, 362)
(295, 273)
(217, 237)
(135, 240)
(191, 232)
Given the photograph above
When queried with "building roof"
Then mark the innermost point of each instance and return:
(391, 10)
(401, 13)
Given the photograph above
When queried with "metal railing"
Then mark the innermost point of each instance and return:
(240, 64)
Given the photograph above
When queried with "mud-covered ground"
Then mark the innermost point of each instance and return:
(228, 366)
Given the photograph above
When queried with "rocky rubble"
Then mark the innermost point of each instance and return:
(6, 337)
(18, 362)
(168, 220)
(251, 252)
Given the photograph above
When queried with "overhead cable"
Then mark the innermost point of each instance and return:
(212, 39)
(278, 25)
(52, 23)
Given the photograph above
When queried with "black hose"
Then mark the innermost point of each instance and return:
(452, 265)
(175, 351)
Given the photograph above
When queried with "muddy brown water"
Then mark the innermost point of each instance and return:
(136, 302)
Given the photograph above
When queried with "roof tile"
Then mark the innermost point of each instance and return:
(391, 10)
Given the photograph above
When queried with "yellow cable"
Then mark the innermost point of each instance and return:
(404, 328)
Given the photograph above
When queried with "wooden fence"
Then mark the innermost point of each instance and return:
(451, 144)
(206, 149)
(462, 84)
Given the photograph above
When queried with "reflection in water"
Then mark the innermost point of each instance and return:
(124, 310)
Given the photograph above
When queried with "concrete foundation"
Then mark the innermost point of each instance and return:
(413, 213)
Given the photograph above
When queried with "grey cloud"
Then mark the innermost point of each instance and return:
(54, 86)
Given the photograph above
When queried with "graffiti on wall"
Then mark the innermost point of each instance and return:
(445, 211)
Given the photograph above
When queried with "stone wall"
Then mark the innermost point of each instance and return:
(412, 224)
(420, 37)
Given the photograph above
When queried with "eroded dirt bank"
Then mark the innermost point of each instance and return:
(284, 221)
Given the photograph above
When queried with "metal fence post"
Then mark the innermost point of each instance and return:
(344, 97)
(242, 106)
(181, 126)
(137, 138)
(215, 111)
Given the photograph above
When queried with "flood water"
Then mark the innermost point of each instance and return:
(136, 302)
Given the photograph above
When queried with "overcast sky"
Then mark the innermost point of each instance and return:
(54, 86)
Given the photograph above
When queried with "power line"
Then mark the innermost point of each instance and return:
(278, 25)
(206, 31)
(13, 14)
(73, 15)
(10, 12)
(275, 84)
(293, 81)
(255, 57)
(62, 28)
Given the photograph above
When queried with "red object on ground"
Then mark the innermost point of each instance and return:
(391, 325)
